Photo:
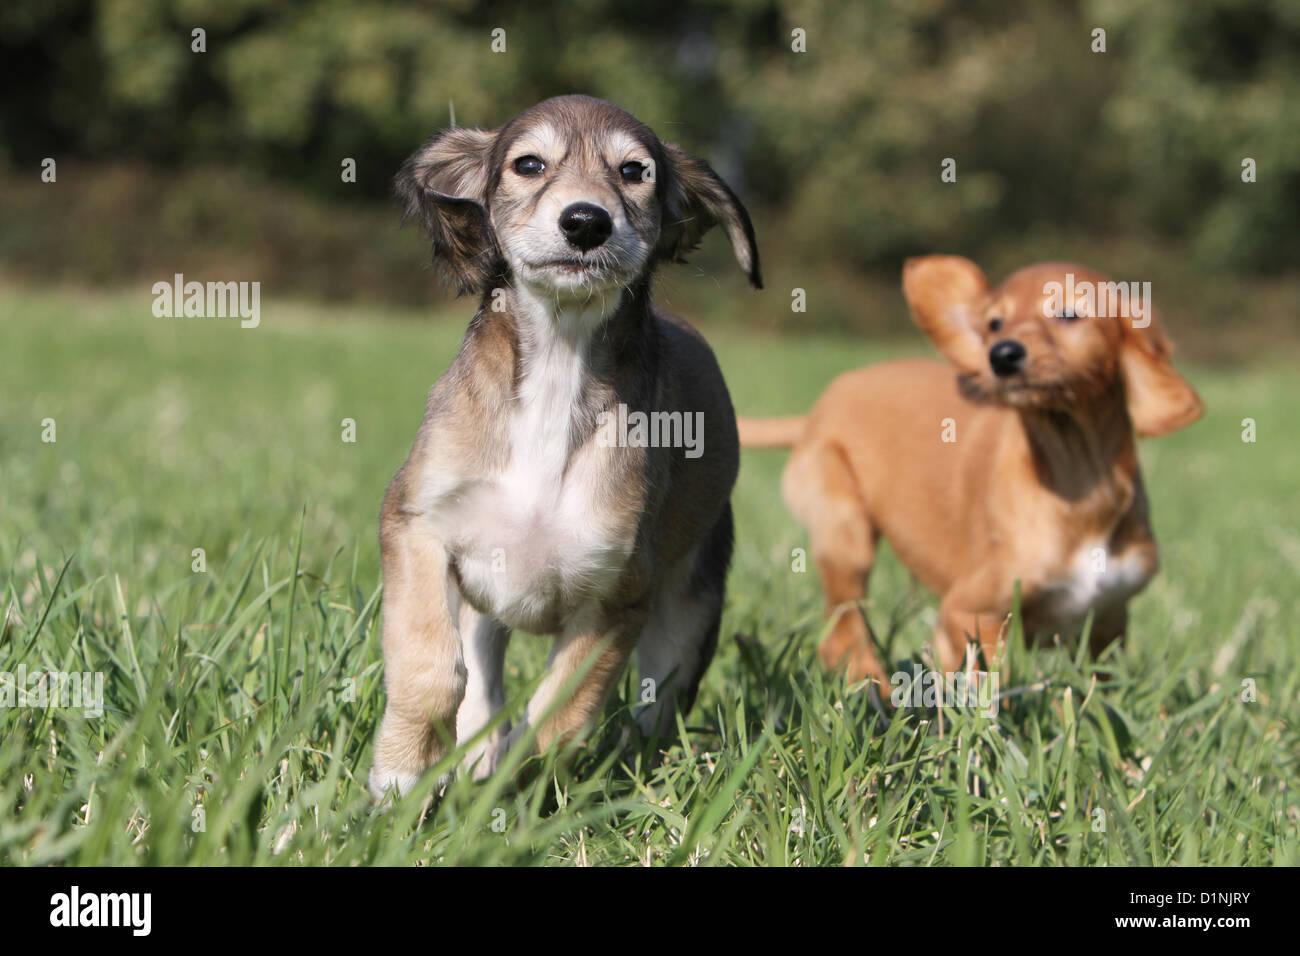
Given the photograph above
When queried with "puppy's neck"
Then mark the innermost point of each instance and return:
(598, 330)
(1087, 451)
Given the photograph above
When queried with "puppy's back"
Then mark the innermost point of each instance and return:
(909, 443)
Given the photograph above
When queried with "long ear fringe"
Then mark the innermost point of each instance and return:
(697, 199)
(464, 250)
(940, 291)
(1160, 400)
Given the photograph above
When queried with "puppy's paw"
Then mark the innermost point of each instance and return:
(386, 786)
(658, 722)
(482, 760)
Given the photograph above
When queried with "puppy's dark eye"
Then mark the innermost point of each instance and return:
(995, 324)
(529, 166)
(633, 172)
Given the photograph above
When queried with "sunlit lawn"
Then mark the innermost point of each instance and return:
(250, 693)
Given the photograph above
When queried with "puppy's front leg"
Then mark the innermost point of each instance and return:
(969, 609)
(484, 643)
(1108, 626)
(424, 672)
(588, 657)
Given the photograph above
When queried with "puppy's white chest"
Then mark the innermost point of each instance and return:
(1095, 579)
(532, 541)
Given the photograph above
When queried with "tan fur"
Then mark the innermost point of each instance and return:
(512, 512)
(1043, 470)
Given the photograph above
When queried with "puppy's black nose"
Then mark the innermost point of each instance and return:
(585, 225)
(1007, 357)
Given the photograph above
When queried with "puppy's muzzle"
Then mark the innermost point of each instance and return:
(1007, 358)
(585, 225)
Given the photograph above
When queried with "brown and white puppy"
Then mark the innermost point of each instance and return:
(524, 504)
(1020, 467)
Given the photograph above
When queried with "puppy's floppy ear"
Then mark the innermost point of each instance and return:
(1160, 400)
(444, 185)
(943, 293)
(695, 200)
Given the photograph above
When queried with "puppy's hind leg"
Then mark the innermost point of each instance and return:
(823, 494)
(681, 635)
(423, 670)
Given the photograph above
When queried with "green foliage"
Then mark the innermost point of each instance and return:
(229, 689)
(840, 145)
(1209, 85)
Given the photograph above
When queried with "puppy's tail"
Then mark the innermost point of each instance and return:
(771, 432)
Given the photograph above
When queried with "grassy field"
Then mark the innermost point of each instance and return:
(240, 700)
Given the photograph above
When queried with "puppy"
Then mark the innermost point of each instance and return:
(533, 497)
(1016, 463)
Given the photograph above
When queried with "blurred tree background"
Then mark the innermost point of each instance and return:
(225, 164)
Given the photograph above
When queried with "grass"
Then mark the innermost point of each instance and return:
(240, 701)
